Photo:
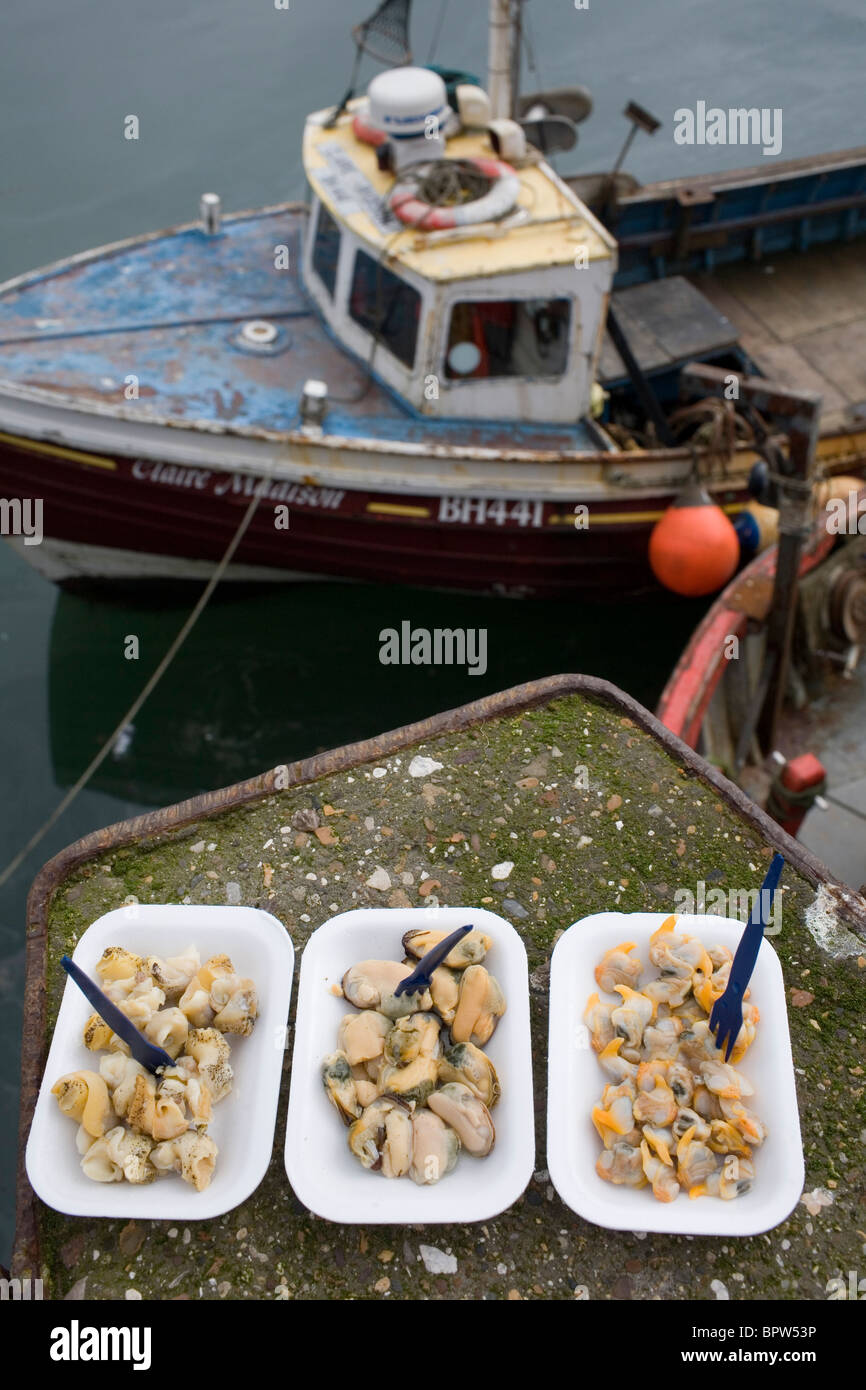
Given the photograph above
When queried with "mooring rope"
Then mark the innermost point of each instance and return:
(149, 687)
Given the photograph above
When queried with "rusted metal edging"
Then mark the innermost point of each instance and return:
(155, 824)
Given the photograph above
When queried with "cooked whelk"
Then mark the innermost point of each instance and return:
(173, 975)
(481, 1005)
(467, 1115)
(169, 1029)
(340, 1086)
(411, 1037)
(435, 1147)
(83, 1096)
(466, 1063)
(131, 1152)
(211, 1052)
(192, 1155)
(470, 950)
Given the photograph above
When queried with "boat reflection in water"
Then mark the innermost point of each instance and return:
(280, 673)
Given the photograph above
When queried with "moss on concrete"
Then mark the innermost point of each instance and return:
(629, 832)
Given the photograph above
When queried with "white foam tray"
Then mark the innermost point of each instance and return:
(575, 1083)
(243, 1123)
(326, 1177)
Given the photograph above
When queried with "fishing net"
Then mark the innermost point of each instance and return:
(385, 35)
(447, 182)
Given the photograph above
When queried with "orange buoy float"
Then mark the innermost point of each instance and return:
(694, 549)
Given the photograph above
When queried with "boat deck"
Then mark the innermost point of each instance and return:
(802, 318)
(167, 308)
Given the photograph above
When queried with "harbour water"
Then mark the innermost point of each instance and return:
(221, 90)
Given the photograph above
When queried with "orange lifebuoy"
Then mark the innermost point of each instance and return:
(366, 132)
(499, 200)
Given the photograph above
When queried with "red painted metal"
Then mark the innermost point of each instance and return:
(794, 789)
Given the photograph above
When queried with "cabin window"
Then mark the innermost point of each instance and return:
(518, 337)
(326, 249)
(386, 306)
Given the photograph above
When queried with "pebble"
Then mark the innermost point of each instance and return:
(423, 767)
(500, 871)
(502, 1268)
(719, 1289)
(380, 772)
(379, 879)
(197, 847)
(436, 1261)
(233, 893)
(514, 908)
(132, 1294)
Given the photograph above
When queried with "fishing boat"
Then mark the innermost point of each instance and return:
(453, 368)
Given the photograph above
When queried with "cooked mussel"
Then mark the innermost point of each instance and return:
(413, 1083)
(467, 1115)
(362, 1036)
(445, 993)
(435, 1147)
(470, 950)
(365, 983)
(466, 1063)
(480, 1006)
(339, 1086)
(416, 1035)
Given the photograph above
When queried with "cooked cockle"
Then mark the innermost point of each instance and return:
(412, 1083)
(362, 1035)
(663, 1038)
(614, 1065)
(733, 1179)
(365, 983)
(656, 1107)
(650, 1069)
(668, 989)
(706, 1104)
(467, 1063)
(211, 1052)
(340, 1086)
(688, 1012)
(661, 1141)
(467, 1115)
(192, 1155)
(629, 1020)
(445, 993)
(416, 1035)
(622, 1165)
(695, 1161)
(659, 1174)
(662, 939)
(615, 1114)
(698, 1044)
(618, 967)
(470, 950)
(747, 1033)
(725, 1138)
(169, 1029)
(435, 1147)
(83, 1096)
(713, 987)
(746, 1121)
(719, 955)
(173, 975)
(480, 1006)
(682, 1082)
(690, 1120)
(597, 1019)
(131, 1152)
(724, 1081)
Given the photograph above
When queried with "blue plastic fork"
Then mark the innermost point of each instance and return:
(726, 1019)
(147, 1053)
(423, 973)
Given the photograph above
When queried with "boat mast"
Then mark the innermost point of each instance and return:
(503, 56)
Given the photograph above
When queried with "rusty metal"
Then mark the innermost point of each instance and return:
(157, 824)
(798, 413)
